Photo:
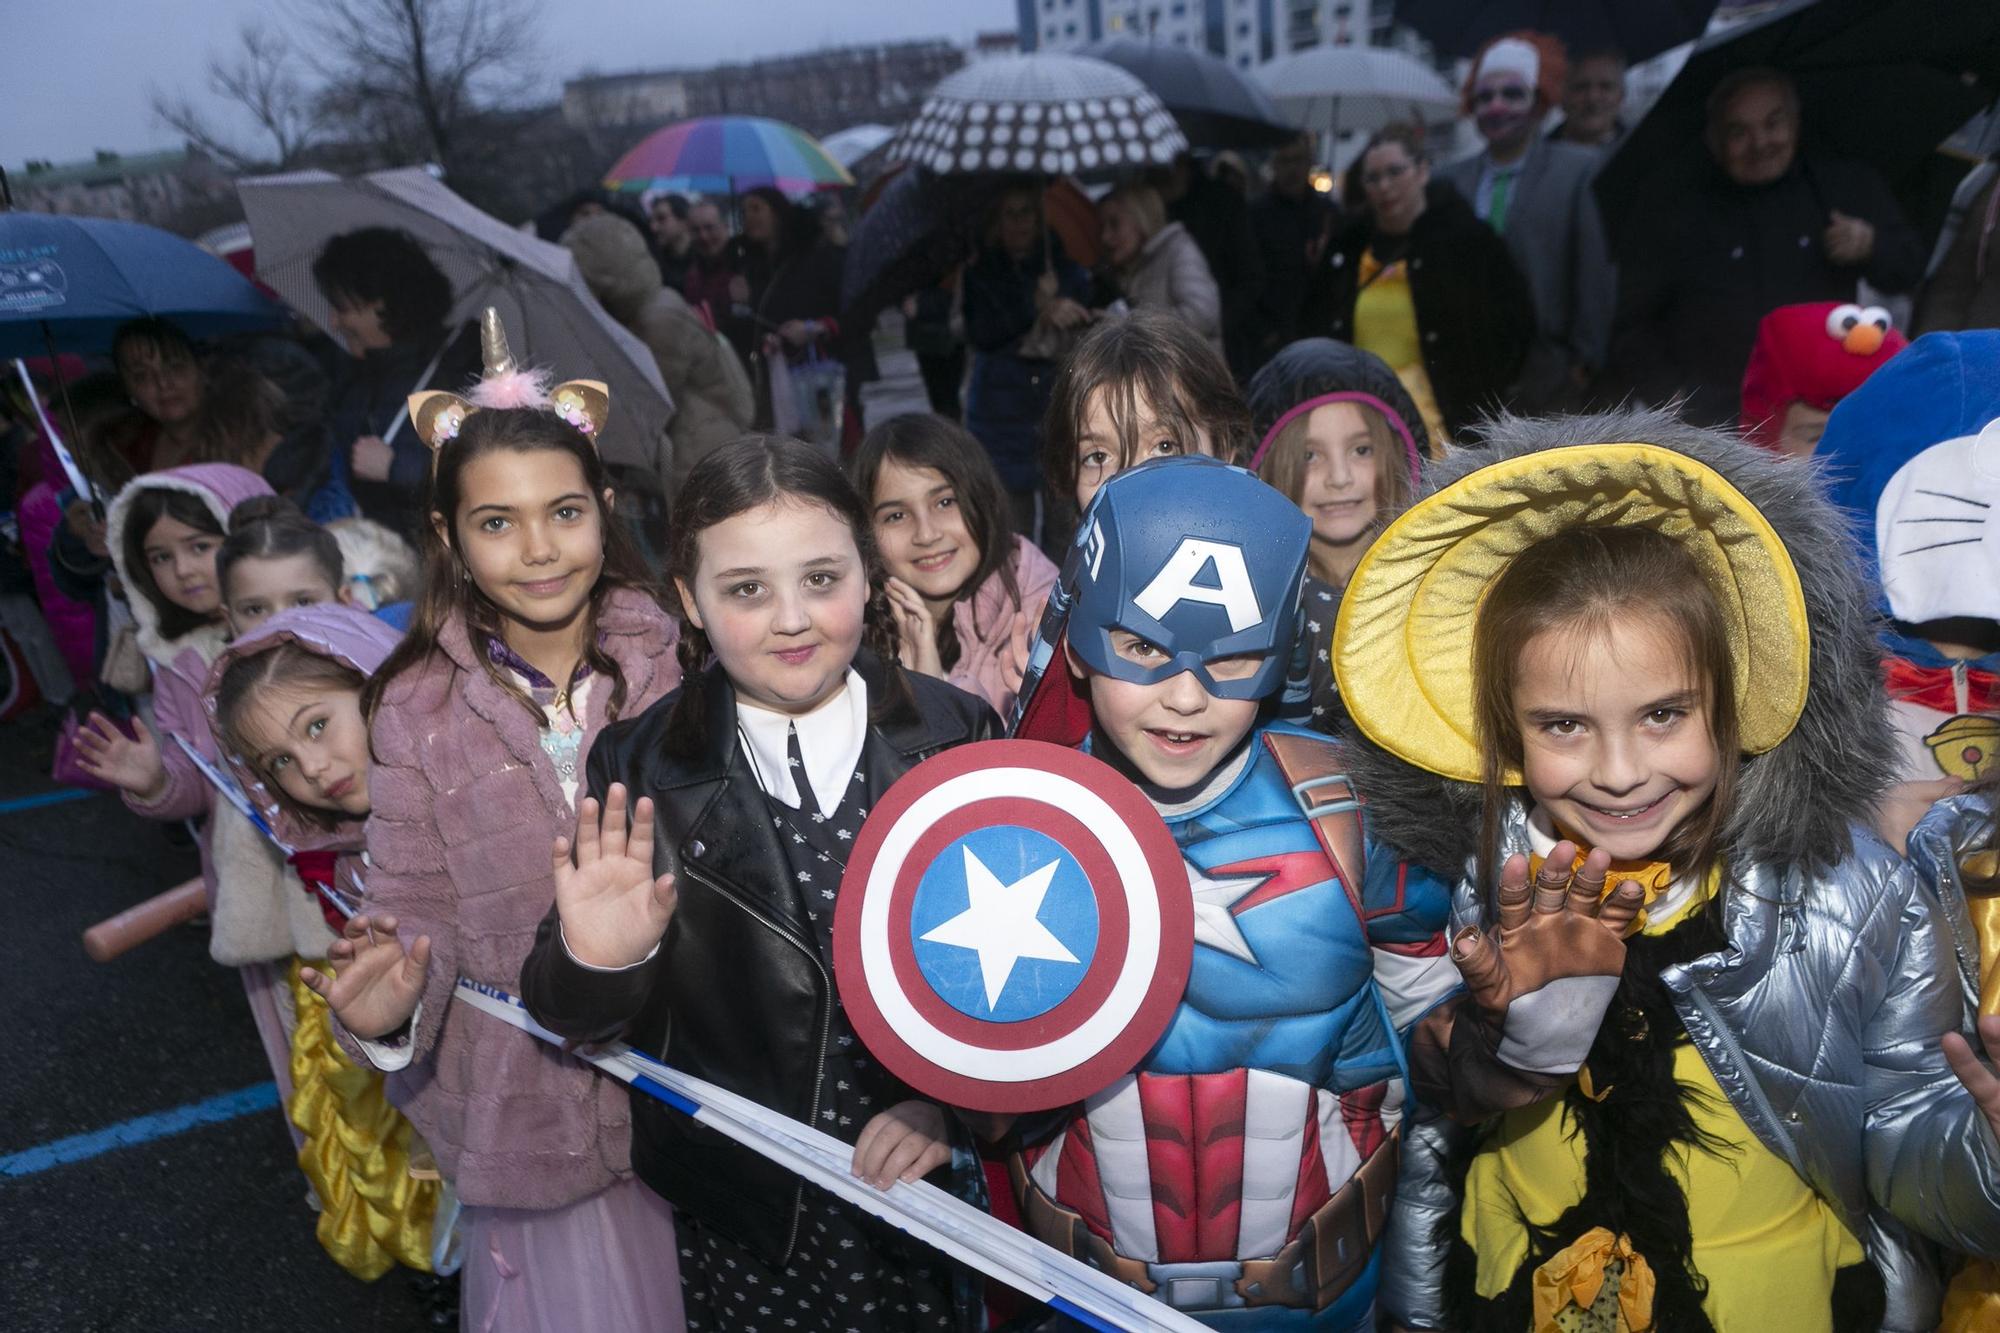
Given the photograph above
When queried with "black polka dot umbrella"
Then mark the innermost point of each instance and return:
(1051, 114)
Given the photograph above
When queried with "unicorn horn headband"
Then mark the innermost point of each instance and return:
(439, 416)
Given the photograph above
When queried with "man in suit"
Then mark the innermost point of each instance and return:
(1536, 194)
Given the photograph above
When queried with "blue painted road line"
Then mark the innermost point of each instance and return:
(41, 799)
(144, 1129)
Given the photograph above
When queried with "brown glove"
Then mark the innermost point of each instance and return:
(1535, 989)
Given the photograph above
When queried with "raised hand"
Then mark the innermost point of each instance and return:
(130, 763)
(915, 628)
(375, 987)
(1014, 655)
(1977, 1078)
(906, 1142)
(612, 908)
(1545, 977)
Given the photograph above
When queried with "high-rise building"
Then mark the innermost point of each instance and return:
(1243, 32)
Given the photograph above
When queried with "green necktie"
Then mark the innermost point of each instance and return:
(1496, 202)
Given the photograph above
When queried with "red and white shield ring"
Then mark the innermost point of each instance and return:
(1014, 928)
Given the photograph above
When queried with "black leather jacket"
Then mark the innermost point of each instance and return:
(736, 994)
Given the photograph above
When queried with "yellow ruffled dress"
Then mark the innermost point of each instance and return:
(373, 1213)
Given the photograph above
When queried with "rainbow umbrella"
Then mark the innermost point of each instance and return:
(728, 155)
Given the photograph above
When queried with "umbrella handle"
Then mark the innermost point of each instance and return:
(423, 382)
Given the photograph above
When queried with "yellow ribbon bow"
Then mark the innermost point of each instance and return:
(1577, 1277)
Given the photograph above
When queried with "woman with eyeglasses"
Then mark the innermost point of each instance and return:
(1417, 279)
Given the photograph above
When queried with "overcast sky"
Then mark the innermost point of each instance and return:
(81, 69)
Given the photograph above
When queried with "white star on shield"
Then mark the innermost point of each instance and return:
(1002, 923)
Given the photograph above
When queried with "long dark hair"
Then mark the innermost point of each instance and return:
(448, 589)
(270, 527)
(925, 440)
(152, 504)
(747, 474)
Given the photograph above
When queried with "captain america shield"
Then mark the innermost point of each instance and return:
(1014, 928)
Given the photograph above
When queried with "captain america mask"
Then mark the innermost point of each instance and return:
(1202, 561)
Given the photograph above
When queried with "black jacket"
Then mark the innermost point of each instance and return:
(1474, 311)
(1705, 259)
(1219, 220)
(736, 994)
(1287, 230)
(367, 398)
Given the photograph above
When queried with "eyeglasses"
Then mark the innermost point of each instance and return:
(1384, 175)
(1506, 92)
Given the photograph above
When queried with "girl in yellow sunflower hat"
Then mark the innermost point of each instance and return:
(1714, 1064)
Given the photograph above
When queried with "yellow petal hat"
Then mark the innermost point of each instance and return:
(1402, 648)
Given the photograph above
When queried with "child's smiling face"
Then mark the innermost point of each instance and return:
(780, 591)
(1173, 731)
(1615, 733)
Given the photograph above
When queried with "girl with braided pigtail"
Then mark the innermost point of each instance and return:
(700, 929)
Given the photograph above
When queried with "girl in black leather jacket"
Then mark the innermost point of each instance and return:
(704, 936)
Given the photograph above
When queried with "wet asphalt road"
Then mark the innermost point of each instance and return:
(204, 1229)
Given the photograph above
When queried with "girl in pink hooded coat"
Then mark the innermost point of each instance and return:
(163, 531)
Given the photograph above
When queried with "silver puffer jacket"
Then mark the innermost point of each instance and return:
(1845, 963)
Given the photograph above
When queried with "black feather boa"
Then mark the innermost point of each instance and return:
(1628, 1188)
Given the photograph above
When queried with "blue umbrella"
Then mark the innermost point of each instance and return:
(68, 283)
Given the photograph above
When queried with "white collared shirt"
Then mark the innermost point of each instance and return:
(830, 741)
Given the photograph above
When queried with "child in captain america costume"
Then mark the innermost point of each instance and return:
(1243, 1172)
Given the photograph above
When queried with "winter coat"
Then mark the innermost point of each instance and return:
(984, 624)
(712, 403)
(466, 807)
(369, 393)
(736, 993)
(1009, 393)
(180, 665)
(1169, 274)
(1963, 289)
(1557, 240)
(1474, 310)
(1702, 262)
(1286, 232)
(1218, 220)
(1821, 1018)
(72, 620)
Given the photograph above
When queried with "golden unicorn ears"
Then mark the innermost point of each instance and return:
(438, 416)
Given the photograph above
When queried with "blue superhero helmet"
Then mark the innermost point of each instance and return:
(1198, 558)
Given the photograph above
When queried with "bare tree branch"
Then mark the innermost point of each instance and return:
(412, 71)
(261, 76)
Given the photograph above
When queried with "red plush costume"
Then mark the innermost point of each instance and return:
(1816, 354)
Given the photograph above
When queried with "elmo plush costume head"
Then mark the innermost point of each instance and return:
(1813, 354)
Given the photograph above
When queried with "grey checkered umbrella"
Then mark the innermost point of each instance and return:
(1056, 114)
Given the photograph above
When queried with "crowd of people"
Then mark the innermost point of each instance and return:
(1641, 986)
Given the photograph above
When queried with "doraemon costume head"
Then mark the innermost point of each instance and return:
(1198, 558)
(1914, 455)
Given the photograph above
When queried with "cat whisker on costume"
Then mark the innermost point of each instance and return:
(1934, 546)
(1902, 521)
(1964, 500)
